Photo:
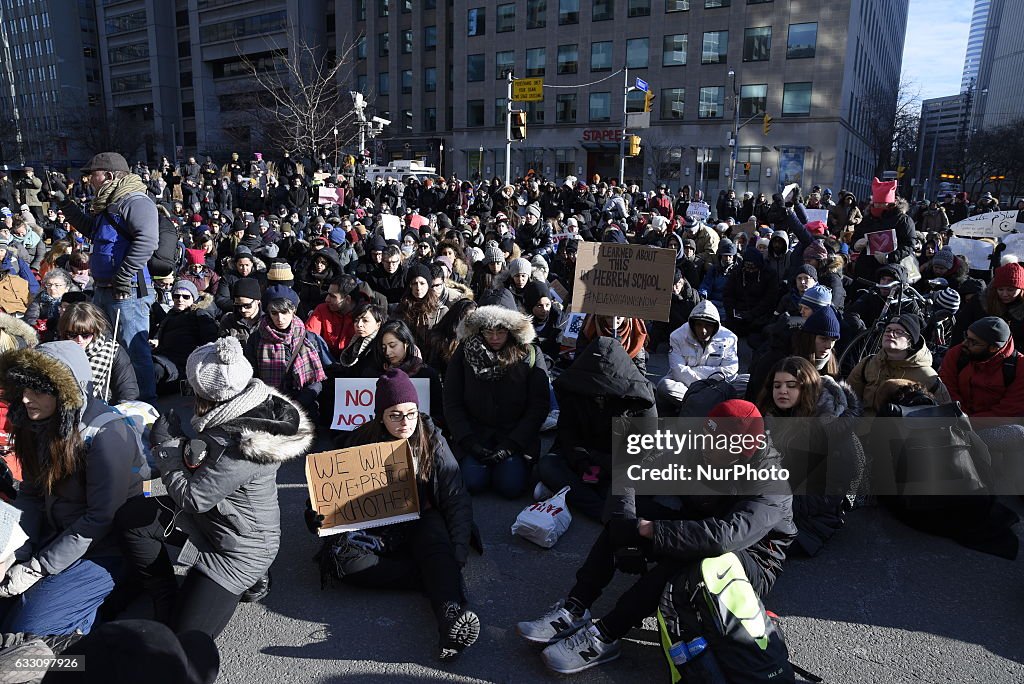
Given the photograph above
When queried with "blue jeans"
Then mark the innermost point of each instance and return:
(64, 603)
(509, 478)
(133, 333)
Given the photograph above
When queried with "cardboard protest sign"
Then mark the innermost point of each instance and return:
(994, 224)
(558, 291)
(881, 242)
(1014, 245)
(977, 252)
(749, 229)
(392, 226)
(327, 195)
(363, 487)
(354, 399)
(614, 279)
(817, 215)
(571, 330)
(698, 211)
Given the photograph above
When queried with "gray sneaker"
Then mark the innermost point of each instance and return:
(557, 624)
(581, 651)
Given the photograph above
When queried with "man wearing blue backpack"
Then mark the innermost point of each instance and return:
(123, 225)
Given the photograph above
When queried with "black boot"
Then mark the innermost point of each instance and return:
(458, 627)
(258, 591)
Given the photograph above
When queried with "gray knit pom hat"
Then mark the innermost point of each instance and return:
(218, 371)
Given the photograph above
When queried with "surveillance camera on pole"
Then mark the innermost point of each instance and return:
(380, 121)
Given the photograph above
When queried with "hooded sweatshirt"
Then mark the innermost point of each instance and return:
(690, 361)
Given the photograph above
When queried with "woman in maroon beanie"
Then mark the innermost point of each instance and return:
(1005, 299)
(428, 553)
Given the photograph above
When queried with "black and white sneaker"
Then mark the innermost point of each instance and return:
(554, 625)
(581, 651)
(459, 629)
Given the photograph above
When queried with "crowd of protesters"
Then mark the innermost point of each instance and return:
(236, 283)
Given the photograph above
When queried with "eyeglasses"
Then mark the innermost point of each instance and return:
(396, 417)
(974, 342)
(896, 332)
(243, 307)
(181, 295)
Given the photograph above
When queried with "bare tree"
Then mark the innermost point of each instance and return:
(892, 122)
(301, 99)
(97, 130)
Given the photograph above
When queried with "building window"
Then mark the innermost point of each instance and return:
(568, 12)
(429, 38)
(565, 162)
(568, 59)
(716, 47)
(601, 56)
(506, 18)
(382, 44)
(668, 166)
(638, 53)
(474, 67)
(536, 14)
(535, 112)
(128, 53)
(803, 39)
(383, 83)
(638, 8)
(430, 79)
(677, 5)
(757, 44)
(635, 100)
(476, 22)
(672, 103)
(240, 28)
(565, 108)
(406, 42)
(500, 111)
(712, 102)
(382, 7)
(758, 2)
(712, 4)
(673, 50)
(796, 99)
(122, 84)
(748, 180)
(753, 100)
(360, 48)
(535, 62)
(406, 6)
(600, 106)
(360, 10)
(475, 113)
(604, 10)
(407, 81)
(429, 4)
(360, 83)
(128, 22)
(504, 62)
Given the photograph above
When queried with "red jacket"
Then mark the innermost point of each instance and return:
(336, 329)
(980, 387)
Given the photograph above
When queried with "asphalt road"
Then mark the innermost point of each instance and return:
(882, 603)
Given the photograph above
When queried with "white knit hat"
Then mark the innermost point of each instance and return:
(218, 371)
(519, 265)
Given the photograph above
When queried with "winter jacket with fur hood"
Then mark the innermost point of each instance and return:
(228, 505)
(75, 520)
(690, 361)
(509, 409)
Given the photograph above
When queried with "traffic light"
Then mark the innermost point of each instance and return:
(518, 125)
(746, 168)
(900, 170)
(648, 101)
(634, 146)
(766, 127)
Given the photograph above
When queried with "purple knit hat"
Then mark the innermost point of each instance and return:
(394, 387)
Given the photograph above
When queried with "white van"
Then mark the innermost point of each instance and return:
(401, 170)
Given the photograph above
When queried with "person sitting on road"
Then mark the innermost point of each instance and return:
(428, 553)
(815, 341)
(715, 280)
(697, 350)
(631, 333)
(420, 306)
(758, 528)
(1005, 299)
(113, 376)
(184, 328)
(357, 358)
(496, 399)
(245, 312)
(221, 504)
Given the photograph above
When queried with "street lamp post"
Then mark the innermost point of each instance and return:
(735, 130)
(440, 160)
(480, 166)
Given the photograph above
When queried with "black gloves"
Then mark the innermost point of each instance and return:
(498, 455)
(166, 428)
(475, 448)
(314, 521)
(54, 194)
(122, 285)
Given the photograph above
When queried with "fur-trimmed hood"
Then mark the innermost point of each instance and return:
(59, 368)
(276, 431)
(23, 333)
(519, 326)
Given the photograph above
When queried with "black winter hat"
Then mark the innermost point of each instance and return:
(534, 291)
(418, 270)
(912, 324)
(992, 329)
(246, 287)
(377, 244)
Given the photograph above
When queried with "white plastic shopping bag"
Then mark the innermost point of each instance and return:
(545, 521)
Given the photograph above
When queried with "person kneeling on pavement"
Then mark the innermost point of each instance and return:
(221, 505)
(427, 553)
(496, 397)
(80, 462)
(673, 534)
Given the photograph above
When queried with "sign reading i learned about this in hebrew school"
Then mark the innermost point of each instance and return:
(615, 279)
(363, 487)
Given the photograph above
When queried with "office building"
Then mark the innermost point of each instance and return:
(975, 40)
(999, 91)
(943, 136)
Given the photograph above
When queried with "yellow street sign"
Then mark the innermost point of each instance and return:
(528, 89)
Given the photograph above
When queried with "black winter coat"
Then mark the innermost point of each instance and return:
(892, 219)
(182, 332)
(124, 385)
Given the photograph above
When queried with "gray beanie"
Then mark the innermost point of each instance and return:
(519, 265)
(945, 258)
(218, 371)
(493, 254)
(533, 209)
(187, 286)
(991, 329)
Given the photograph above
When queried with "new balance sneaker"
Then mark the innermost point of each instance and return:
(581, 651)
(459, 629)
(557, 624)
